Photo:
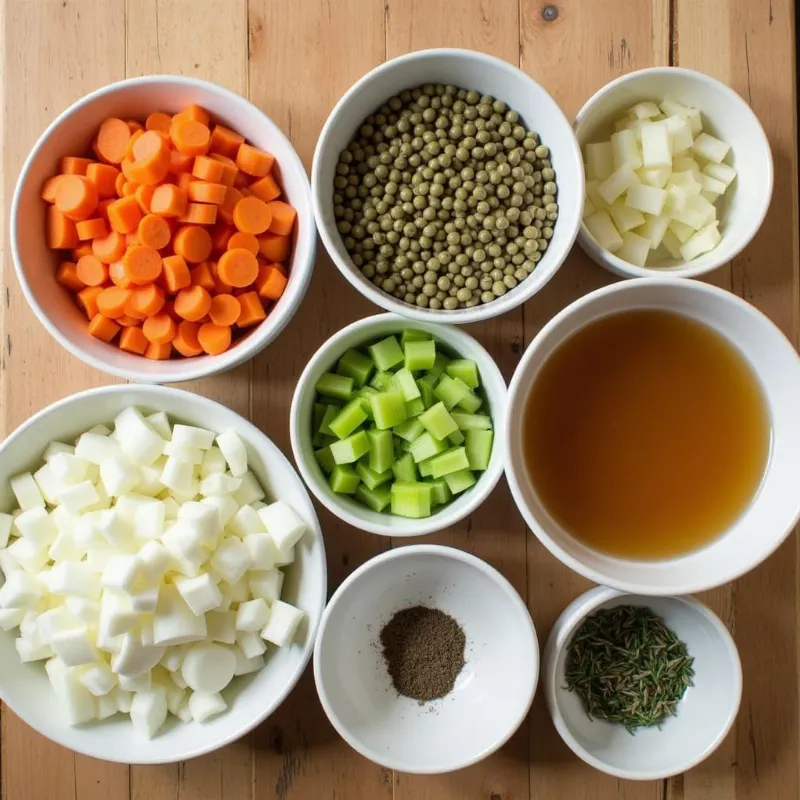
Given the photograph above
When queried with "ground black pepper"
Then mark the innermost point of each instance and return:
(424, 652)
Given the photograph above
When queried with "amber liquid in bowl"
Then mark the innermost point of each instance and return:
(646, 434)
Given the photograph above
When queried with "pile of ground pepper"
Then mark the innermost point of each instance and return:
(424, 652)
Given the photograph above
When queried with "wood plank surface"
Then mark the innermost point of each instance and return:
(295, 60)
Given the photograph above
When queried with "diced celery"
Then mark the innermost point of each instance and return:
(469, 402)
(348, 419)
(325, 459)
(411, 499)
(409, 430)
(405, 382)
(376, 499)
(460, 481)
(426, 446)
(450, 461)
(426, 391)
(388, 409)
(440, 363)
(479, 448)
(456, 438)
(381, 453)
(344, 480)
(386, 353)
(322, 439)
(450, 391)
(382, 381)
(370, 478)
(404, 469)
(425, 468)
(332, 385)
(411, 335)
(331, 412)
(348, 450)
(419, 355)
(319, 413)
(440, 492)
(415, 407)
(363, 395)
(437, 421)
(355, 365)
(465, 422)
(465, 369)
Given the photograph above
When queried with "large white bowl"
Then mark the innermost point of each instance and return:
(725, 115)
(774, 510)
(469, 70)
(252, 698)
(704, 715)
(71, 134)
(363, 332)
(492, 694)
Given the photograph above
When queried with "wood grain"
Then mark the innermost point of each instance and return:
(295, 60)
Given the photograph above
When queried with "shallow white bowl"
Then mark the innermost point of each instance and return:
(252, 698)
(774, 510)
(492, 694)
(358, 334)
(726, 115)
(705, 714)
(469, 70)
(71, 134)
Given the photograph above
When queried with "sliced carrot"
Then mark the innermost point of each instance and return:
(245, 240)
(116, 272)
(265, 188)
(104, 177)
(242, 183)
(252, 311)
(193, 243)
(145, 301)
(180, 162)
(101, 327)
(50, 187)
(253, 161)
(143, 195)
(76, 197)
(134, 125)
(185, 180)
(90, 228)
(199, 214)
(67, 276)
(190, 136)
(202, 276)
(237, 267)
(119, 184)
(176, 273)
(168, 201)
(270, 283)
(158, 352)
(158, 121)
(73, 165)
(131, 142)
(220, 235)
(208, 169)
(252, 215)
(192, 303)
(129, 188)
(87, 300)
(278, 266)
(196, 113)
(201, 191)
(232, 198)
(142, 264)
(132, 340)
(112, 140)
(111, 301)
(132, 239)
(61, 232)
(102, 207)
(128, 322)
(225, 141)
(109, 248)
(81, 250)
(160, 328)
(124, 214)
(283, 216)
(225, 309)
(152, 159)
(154, 231)
(185, 341)
(230, 171)
(214, 339)
(92, 271)
(220, 287)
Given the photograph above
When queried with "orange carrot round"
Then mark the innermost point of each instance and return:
(87, 299)
(109, 248)
(193, 243)
(116, 272)
(238, 267)
(145, 301)
(76, 197)
(92, 271)
(154, 231)
(104, 177)
(225, 141)
(103, 327)
(142, 264)
(192, 303)
(111, 301)
(190, 137)
(168, 201)
(132, 340)
(74, 165)
(252, 310)
(152, 159)
(180, 162)
(112, 140)
(160, 328)
(253, 161)
(124, 214)
(158, 121)
(91, 228)
(50, 187)
(251, 215)
(245, 240)
(224, 309)
(214, 339)
(226, 208)
(176, 273)
(158, 352)
(185, 341)
(201, 191)
(67, 276)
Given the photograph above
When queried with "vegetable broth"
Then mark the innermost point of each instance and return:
(646, 434)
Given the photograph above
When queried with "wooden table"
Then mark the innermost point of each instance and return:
(294, 58)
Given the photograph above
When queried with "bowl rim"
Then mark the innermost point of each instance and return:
(706, 263)
(62, 733)
(455, 510)
(204, 366)
(561, 633)
(521, 293)
(444, 552)
(516, 479)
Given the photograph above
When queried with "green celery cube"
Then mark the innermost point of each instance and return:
(475, 422)
(332, 385)
(319, 413)
(404, 469)
(348, 419)
(411, 499)
(425, 468)
(348, 450)
(408, 430)
(479, 448)
(439, 364)
(370, 478)
(388, 409)
(427, 396)
(451, 391)
(440, 492)
(405, 382)
(466, 370)
(381, 453)
(387, 353)
(411, 335)
(383, 381)
(426, 446)
(415, 407)
(456, 438)
(459, 481)
(419, 355)
(376, 499)
(322, 439)
(438, 422)
(355, 365)
(344, 479)
(325, 459)
(330, 414)
(448, 462)
(469, 402)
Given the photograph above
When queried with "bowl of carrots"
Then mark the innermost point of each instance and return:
(162, 229)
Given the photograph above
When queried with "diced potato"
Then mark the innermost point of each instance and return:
(672, 243)
(588, 207)
(653, 229)
(672, 107)
(656, 148)
(594, 195)
(712, 185)
(684, 163)
(625, 218)
(647, 199)
(680, 134)
(704, 240)
(710, 148)
(599, 160)
(617, 183)
(687, 181)
(657, 176)
(603, 231)
(634, 249)
(681, 230)
(721, 172)
(696, 213)
(645, 110)
(625, 150)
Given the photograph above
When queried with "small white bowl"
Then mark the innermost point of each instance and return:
(252, 698)
(774, 510)
(492, 694)
(469, 70)
(358, 334)
(71, 134)
(725, 115)
(704, 715)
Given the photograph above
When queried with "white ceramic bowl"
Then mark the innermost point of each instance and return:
(363, 332)
(469, 70)
(492, 694)
(251, 699)
(725, 115)
(70, 134)
(704, 715)
(774, 510)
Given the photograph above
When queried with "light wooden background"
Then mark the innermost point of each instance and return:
(294, 58)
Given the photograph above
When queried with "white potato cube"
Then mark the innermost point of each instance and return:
(117, 615)
(171, 508)
(36, 526)
(625, 218)
(154, 559)
(220, 483)
(12, 617)
(286, 556)
(657, 176)
(672, 243)
(106, 706)
(190, 436)
(119, 475)
(225, 505)
(263, 550)
(625, 150)
(159, 422)
(645, 109)
(680, 134)
(77, 702)
(208, 667)
(231, 559)
(74, 646)
(174, 622)
(238, 592)
(6, 522)
(65, 548)
(656, 147)
(98, 557)
(721, 172)
(149, 522)
(234, 451)
(696, 212)
(87, 611)
(26, 491)
(249, 491)
(135, 658)
(221, 626)
(21, 590)
(201, 594)
(74, 577)
(48, 484)
(266, 584)
(705, 239)
(115, 530)
(601, 227)
(78, 496)
(124, 572)
(185, 541)
(57, 447)
(99, 679)
(252, 615)
(634, 249)
(149, 711)
(712, 185)
(283, 523)
(179, 476)
(100, 430)
(139, 442)
(145, 599)
(616, 184)
(141, 683)
(686, 179)
(653, 229)
(172, 659)
(710, 148)
(204, 518)
(203, 705)
(30, 557)
(93, 447)
(213, 462)
(245, 665)
(246, 520)
(588, 207)
(647, 199)
(194, 455)
(282, 624)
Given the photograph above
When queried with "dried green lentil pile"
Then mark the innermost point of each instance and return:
(444, 199)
